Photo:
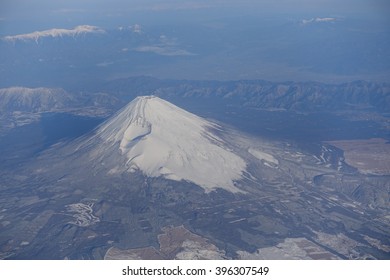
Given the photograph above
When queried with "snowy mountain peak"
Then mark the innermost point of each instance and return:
(34, 99)
(55, 32)
(161, 139)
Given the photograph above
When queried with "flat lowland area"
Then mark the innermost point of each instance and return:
(370, 156)
(175, 243)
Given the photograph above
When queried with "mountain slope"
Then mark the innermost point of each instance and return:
(160, 139)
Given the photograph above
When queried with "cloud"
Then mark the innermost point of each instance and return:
(136, 28)
(316, 20)
(78, 30)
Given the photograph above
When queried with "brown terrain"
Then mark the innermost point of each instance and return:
(175, 243)
(370, 156)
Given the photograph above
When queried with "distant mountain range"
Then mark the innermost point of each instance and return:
(35, 99)
(42, 99)
(296, 96)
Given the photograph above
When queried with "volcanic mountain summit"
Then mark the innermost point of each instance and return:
(161, 139)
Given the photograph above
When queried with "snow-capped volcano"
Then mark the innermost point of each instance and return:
(161, 139)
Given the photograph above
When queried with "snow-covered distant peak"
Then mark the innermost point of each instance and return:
(161, 139)
(55, 32)
(28, 91)
(34, 99)
(318, 19)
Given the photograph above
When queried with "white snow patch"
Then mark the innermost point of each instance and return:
(114, 171)
(161, 139)
(82, 214)
(339, 165)
(237, 221)
(263, 156)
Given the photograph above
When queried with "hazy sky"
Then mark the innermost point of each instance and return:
(222, 39)
(10, 8)
(25, 15)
